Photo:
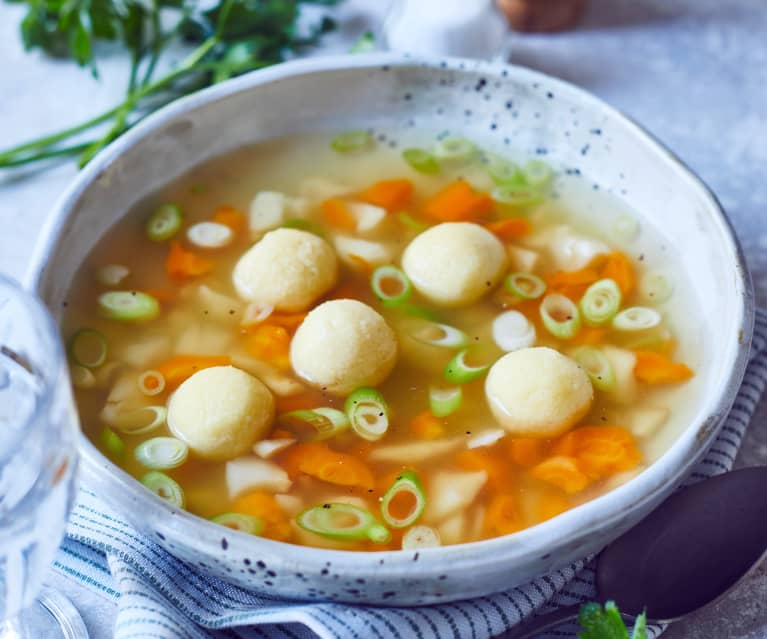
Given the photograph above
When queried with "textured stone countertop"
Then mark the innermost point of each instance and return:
(694, 72)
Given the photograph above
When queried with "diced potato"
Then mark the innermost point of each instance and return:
(319, 189)
(351, 249)
(623, 363)
(268, 448)
(452, 530)
(298, 207)
(126, 394)
(291, 505)
(246, 474)
(267, 212)
(203, 339)
(486, 438)
(369, 218)
(145, 351)
(279, 383)
(414, 452)
(522, 259)
(568, 249)
(645, 421)
(451, 492)
(220, 307)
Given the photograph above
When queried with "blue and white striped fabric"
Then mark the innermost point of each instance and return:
(160, 597)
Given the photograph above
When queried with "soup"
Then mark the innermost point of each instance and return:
(336, 343)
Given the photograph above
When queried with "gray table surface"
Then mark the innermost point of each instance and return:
(694, 72)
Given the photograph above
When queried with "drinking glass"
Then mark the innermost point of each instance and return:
(38, 427)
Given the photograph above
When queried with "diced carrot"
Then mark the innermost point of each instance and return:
(310, 398)
(231, 217)
(617, 266)
(589, 335)
(562, 472)
(279, 433)
(572, 284)
(498, 472)
(162, 295)
(265, 506)
(320, 461)
(290, 321)
(181, 367)
(391, 195)
(601, 451)
(510, 229)
(426, 426)
(458, 201)
(271, 344)
(337, 214)
(502, 516)
(525, 451)
(655, 368)
(182, 264)
(550, 504)
(362, 264)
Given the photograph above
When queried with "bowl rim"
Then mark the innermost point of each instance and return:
(575, 524)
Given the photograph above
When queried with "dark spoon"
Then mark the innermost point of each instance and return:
(690, 551)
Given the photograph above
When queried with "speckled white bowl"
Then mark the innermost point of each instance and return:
(506, 105)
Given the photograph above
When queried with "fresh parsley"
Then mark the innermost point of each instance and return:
(226, 38)
(606, 623)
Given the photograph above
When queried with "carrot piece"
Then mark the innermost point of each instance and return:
(497, 469)
(589, 335)
(162, 295)
(181, 263)
(617, 266)
(181, 367)
(550, 505)
(290, 321)
(320, 461)
(510, 229)
(458, 201)
(426, 426)
(337, 214)
(655, 368)
(562, 472)
(391, 195)
(526, 451)
(502, 516)
(271, 344)
(265, 506)
(306, 400)
(601, 451)
(231, 217)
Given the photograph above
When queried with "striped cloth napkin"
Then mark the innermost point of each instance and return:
(161, 597)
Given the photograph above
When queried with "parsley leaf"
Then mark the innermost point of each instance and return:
(606, 623)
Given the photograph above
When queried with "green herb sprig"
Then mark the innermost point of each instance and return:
(606, 623)
(227, 37)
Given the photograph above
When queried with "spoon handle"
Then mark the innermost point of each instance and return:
(530, 628)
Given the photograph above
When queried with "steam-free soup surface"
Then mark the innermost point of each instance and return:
(344, 345)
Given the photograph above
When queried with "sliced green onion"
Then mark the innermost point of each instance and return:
(407, 486)
(421, 160)
(349, 141)
(316, 424)
(164, 223)
(459, 372)
(304, 225)
(437, 334)
(137, 421)
(161, 453)
(525, 285)
(151, 383)
(249, 524)
(512, 331)
(343, 522)
(409, 221)
(601, 302)
(560, 316)
(368, 413)
(503, 171)
(421, 312)
(164, 487)
(537, 173)
(364, 44)
(597, 367)
(455, 149)
(112, 443)
(129, 306)
(420, 537)
(625, 228)
(445, 401)
(656, 287)
(514, 195)
(82, 377)
(112, 274)
(390, 285)
(636, 318)
(88, 348)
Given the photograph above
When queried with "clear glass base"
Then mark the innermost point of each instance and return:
(52, 616)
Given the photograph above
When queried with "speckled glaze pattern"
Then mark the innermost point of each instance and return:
(509, 106)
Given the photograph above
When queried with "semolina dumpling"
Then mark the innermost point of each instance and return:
(221, 412)
(289, 269)
(342, 345)
(455, 263)
(538, 392)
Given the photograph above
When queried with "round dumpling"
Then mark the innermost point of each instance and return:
(538, 392)
(288, 269)
(342, 345)
(455, 263)
(221, 412)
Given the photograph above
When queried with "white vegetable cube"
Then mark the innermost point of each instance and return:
(247, 474)
(645, 421)
(374, 253)
(319, 189)
(522, 259)
(451, 492)
(369, 218)
(623, 362)
(267, 211)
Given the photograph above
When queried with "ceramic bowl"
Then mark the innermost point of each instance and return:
(500, 105)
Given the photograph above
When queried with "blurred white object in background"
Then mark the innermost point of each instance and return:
(465, 28)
